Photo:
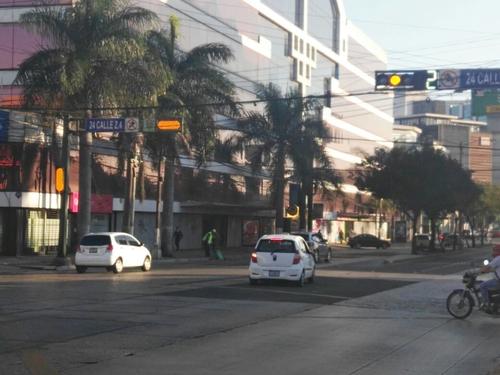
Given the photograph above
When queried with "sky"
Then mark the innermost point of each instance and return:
(432, 34)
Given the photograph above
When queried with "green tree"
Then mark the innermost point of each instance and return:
(418, 180)
(93, 58)
(283, 135)
(195, 82)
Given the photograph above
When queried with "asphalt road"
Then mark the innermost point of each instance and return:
(365, 316)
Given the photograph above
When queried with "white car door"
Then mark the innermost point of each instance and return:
(136, 251)
(308, 259)
(123, 249)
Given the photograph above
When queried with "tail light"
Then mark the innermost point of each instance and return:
(110, 247)
(254, 257)
(296, 259)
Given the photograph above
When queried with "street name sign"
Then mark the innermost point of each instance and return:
(465, 79)
(127, 125)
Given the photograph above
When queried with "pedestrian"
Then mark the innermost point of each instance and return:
(341, 236)
(209, 241)
(177, 238)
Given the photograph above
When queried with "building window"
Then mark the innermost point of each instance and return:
(313, 54)
(301, 68)
(301, 46)
(308, 68)
(295, 42)
(485, 141)
(308, 47)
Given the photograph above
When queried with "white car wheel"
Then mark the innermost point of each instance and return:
(118, 267)
(300, 282)
(146, 266)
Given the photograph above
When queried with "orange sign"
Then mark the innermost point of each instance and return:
(169, 125)
(59, 179)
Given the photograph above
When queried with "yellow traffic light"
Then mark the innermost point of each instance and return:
(59, 179)
(395, 80)
(169, 125)
(292, 212)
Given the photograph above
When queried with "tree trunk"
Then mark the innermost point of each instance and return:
(310, 204)
(472, 228)
(433, 233)
(280, 187)
(167, 219)
(302, 208)
(84, 184)
(414, 219)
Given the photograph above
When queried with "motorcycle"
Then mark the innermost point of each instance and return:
(461, 302)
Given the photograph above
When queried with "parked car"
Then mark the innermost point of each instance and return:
(422, 241)
(112, 250)
(446, 241)
(282, 257)
(317, 245)
(367, 240)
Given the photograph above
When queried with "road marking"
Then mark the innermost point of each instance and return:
(285, 292)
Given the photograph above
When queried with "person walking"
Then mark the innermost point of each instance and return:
(209, 241)
(341, 236)
(177, 238)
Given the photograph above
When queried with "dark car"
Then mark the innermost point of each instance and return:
(367, 240)
(318, 246)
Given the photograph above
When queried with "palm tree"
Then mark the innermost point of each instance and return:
(195, 81)
(92, 60)
(313, 168)
(285, 132)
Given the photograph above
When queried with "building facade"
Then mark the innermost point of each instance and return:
(303, 44)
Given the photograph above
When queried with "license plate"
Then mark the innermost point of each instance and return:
(93, 251)
(274, 273)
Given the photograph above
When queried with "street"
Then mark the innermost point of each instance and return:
(363, 315)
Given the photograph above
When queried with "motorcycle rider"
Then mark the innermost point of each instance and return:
(493, 266)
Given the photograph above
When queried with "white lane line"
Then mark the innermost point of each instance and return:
(284, 292)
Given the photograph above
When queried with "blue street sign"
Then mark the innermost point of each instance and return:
(465, 79)
(4, 126)
(479, 78)
(128, 125)
(95, 125)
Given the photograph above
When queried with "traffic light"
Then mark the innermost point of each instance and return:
(416, 80)
(292, 212)
(59, 179)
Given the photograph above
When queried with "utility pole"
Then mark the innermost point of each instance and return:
(461, 147)
(158, 212)
(63, 212)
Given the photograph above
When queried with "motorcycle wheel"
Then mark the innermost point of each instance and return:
(459, 304)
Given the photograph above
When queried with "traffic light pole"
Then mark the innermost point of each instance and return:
(63, 212)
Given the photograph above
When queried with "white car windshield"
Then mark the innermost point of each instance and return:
(97, 240)
(276, 246)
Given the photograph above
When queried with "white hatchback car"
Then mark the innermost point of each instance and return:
(113, 250)
(282, 257)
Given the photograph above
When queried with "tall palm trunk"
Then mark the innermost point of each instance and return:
(302, 208)
(310, 196)
(280, 187)
(167, 219)
(433, 233)
(84, 183)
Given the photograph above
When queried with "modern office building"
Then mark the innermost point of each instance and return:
(309, 45)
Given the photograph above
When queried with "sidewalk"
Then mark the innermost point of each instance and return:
(8, 264)
(233, 256)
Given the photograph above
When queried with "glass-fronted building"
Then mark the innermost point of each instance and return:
(309, 45)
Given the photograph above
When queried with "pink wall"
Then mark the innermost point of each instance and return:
(16, 44)
(27, 3)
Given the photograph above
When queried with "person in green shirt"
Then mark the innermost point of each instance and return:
(209, 241)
